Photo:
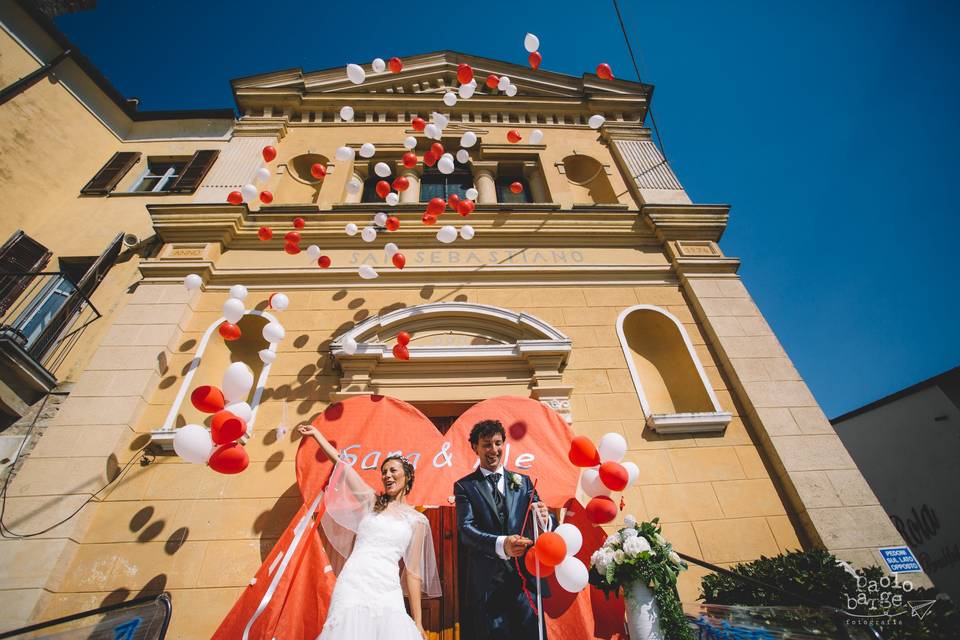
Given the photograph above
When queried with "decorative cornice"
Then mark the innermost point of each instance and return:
(687, 221)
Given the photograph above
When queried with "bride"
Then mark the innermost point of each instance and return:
(374, 533)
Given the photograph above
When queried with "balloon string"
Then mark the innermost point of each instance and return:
(516, 561)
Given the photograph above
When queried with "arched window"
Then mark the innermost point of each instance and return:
(588, 180)
(671, 384)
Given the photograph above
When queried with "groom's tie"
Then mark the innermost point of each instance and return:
(494, 480)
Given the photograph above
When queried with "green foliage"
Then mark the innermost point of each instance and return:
(817, 575)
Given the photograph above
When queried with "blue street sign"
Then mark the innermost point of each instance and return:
(900, 560)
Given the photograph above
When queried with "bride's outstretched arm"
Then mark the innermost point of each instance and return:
(354, 481)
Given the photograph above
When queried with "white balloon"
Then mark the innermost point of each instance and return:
(346, 114)
(367, 150)
(263, 174)
(572, 575)
(472, 194)
(193, 443)
(369, 234)
(450, 98)
(249, 192)
(380, 219)
(349, 345)
(280, 301)
(467, 232)
(239, 292)
(431, 131)
(596, 121)
(445, 165)
(390, 249)
(378, 65)
(382, 169)
(354, 186)
(392, 199)
(633, 472)
(367, 272)
(439, 119)
(267, 356)
(356, 74)
(591, 484)
(313, 252)
(462, 156)
(468, 139)
(273, 332)
(345, 153)
(410, 142)
(466, 91)
(572, 536)
(503, 83)
(240, 409)
(612, 446)
(351, 229)
(511, 90)
(531, 43)
(192, 282)
(233, 310)
(447, 234)
(536, 136)
(237, 380)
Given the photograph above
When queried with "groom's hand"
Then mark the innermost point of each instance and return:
(515, 546)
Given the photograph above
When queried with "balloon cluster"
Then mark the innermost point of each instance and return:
(249, 191)
(532, 44)
(603, 472)
(292, 242)
(400, 350)
(556, 551)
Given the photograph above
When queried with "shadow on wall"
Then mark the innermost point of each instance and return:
(588, 180)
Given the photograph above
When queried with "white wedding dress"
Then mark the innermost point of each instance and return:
(367, 601)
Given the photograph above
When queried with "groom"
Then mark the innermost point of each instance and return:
(491, 505)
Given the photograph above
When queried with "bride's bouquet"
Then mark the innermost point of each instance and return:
(639, 559)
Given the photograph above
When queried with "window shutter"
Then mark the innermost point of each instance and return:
(194, 172)
(88, 283)
(111, 173)
(20, 255)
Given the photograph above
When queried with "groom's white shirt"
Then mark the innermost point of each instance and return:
(544, 526)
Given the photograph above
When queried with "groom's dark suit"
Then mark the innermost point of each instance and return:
(494, 605)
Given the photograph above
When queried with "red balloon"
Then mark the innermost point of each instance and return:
(453, 201)
(291, 248)
(229, 331)
(266, 197)
(466, 207)
(235, 197)
(604, 71)
(409, 160)
(464, 73)
(399, 260)
(436, 206)
(383, 188)
(437, 149)
(229, 458)
(401, 352)
(530, 562)
(226, 427)
(551, 549)
(292, 237)
(535, 59)
(583, 453)
(516, 187)
(395, 65)
(601, 510)
(318, 171)
(429, 159)
(403, 337)
(393, 223)
(492, 81)
(269, 153)
(299, 223)
(418, 123)
(207, 399)
(614, 476)
(265, 233)
(401, 184)
(514, 136)
(323, 261)
(428, 218)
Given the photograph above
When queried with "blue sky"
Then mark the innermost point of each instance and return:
(830, 127)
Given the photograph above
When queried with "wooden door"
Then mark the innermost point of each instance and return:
(441, 616)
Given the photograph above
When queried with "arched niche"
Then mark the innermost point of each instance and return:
(459, 353)
(672, 386)
(298, 184)
(213, 356)
(588, 180)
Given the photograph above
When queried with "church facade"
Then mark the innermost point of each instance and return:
(599, 290)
